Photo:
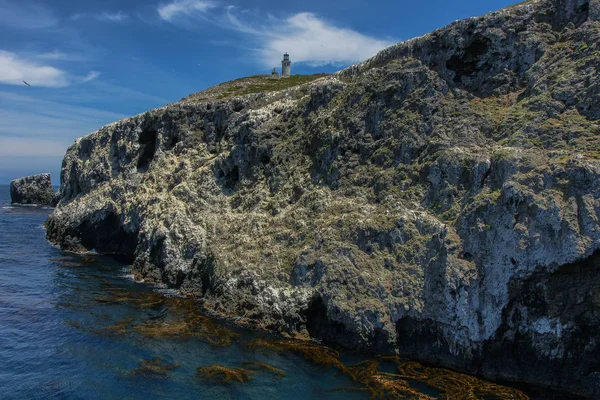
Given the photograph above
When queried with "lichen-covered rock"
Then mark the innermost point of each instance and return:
(440, 200)
(35, 189)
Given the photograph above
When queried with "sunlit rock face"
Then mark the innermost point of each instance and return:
(440, 200)
(35, 189)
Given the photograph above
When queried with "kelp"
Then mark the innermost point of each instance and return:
(384, 385)
(315, 353)
(223, 374)
(182, 319)
(119, 327)
(74, 262)
(153, 368)
(259, 365)
(138, 300)
(208, 331)
(457, 386)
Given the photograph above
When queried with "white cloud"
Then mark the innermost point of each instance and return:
(308, 38)
(14, 70)
(105, 16)
(25, 14)
(316, 42)
(179, 8)
(91, 76)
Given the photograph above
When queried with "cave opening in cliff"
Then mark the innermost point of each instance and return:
(319, 325)
(107, 236)
(173, 143)
(147, 142)
(467, 63)
(232, 177)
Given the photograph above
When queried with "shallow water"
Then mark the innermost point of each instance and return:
(56, 340)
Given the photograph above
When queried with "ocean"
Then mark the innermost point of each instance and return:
(79, 327)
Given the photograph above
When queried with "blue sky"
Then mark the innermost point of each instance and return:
(93, 62)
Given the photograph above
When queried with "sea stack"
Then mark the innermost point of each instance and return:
(34, 189)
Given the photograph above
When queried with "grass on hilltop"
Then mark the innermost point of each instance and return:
(251, 84)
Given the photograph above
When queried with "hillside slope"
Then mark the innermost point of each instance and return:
(440, 199)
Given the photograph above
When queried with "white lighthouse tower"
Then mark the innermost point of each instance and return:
(286, 65)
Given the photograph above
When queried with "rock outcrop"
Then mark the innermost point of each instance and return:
(34, 189)
(440, 200)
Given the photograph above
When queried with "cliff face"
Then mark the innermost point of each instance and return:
(440, 199)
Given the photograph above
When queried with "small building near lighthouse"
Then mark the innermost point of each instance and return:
(286, 65)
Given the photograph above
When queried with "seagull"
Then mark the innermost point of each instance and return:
(26, 83)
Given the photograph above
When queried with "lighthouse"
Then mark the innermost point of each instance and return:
(286, 65)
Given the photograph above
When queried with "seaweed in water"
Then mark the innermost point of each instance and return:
(457, 386)
(135, 299)
(74, 262)
(259, 365)
(383, 385)
(223, 374)
(317, 354)
(183, 318)
(153, 368)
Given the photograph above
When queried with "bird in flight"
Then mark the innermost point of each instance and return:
(26, 83)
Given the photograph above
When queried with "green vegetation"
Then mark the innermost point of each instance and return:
(250, 85)
(271, 85)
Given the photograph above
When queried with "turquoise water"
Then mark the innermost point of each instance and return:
(54, 310)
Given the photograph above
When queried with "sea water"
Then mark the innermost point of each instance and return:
(52, 347)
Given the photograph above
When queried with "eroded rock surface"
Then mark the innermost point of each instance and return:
(440, 200)
(34, 189)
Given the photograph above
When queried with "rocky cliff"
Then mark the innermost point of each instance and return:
(440, 200)
(35, 189)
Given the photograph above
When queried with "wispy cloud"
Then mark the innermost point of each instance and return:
(183, 8)
(13, 70)
(91, 76)
(309, 38)
(35, 133)
(112, 17)
(28, 116)
(58, 55)
(25, 14)
(31, 147)
(105, 16)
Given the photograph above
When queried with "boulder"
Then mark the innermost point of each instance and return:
(35, 189)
